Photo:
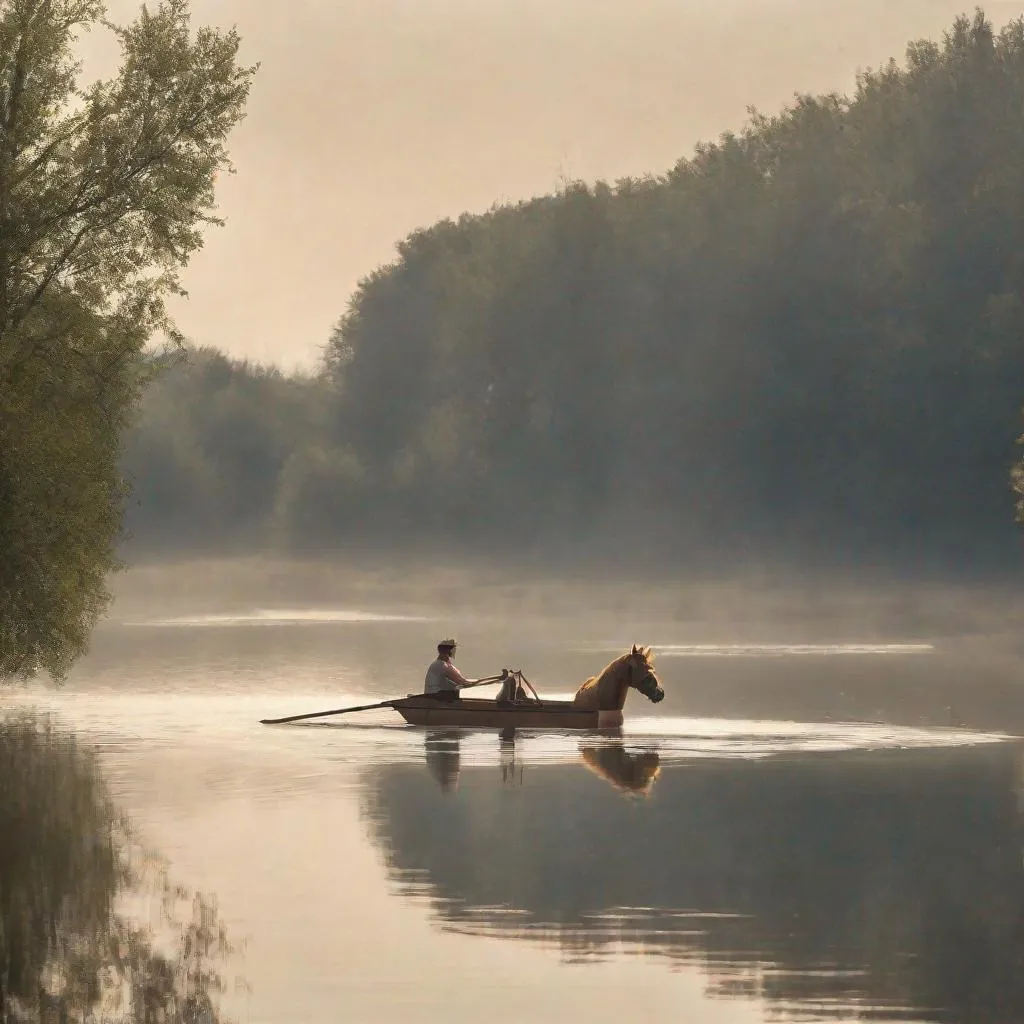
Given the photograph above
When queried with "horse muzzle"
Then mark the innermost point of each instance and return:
(650, 689)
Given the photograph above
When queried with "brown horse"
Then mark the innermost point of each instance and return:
(606, 692)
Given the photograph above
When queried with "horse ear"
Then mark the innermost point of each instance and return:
(647, 653)
(635, 650)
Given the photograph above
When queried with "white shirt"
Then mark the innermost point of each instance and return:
(436, 680)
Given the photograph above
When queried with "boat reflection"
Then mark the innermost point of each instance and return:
(511, 770)
(444, 757)
(875, 884)
(631, 772)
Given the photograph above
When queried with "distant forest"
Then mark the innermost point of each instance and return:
(804, 343)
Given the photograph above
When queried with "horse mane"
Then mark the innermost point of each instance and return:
(644, 652)
(611, 666)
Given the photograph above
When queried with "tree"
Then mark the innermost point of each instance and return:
(801, 342)
(104, 194)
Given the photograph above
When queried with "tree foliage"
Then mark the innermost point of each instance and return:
(801, 344)
(804, 338)
(104, 193)
(221, 452)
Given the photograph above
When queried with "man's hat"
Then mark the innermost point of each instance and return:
(447, 643)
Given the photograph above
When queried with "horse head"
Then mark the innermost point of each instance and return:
(642, 678)
(607, 691)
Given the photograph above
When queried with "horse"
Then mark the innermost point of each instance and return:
(606, 691)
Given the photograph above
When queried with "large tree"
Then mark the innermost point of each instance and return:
(105, 191)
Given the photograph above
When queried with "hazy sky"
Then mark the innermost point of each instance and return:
(370, 118)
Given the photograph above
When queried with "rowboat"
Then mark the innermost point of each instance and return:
(471, 713)
(601, 705)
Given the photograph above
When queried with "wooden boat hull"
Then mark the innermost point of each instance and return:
(489, 714)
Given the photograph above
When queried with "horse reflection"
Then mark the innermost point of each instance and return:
(444, 757)
(630, 772)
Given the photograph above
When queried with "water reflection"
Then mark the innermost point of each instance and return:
(886, 883)
(511, 769)
(631, 772)
(444, 757)
(68, 868)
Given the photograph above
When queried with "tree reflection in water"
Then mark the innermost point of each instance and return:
(68, 863)
(881, 883)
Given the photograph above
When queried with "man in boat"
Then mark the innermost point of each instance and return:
(443, 679)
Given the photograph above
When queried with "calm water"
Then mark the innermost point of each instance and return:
(809, 826)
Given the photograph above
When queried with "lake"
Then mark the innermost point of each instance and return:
(821, 821)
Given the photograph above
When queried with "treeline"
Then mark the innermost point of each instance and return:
(225, 453)
(804, 341)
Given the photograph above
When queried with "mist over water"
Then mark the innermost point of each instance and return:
(751, 403)
(820, 821)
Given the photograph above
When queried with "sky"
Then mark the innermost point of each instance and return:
(371, 118)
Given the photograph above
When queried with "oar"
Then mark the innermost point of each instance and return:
(321, 714)
(361, 707)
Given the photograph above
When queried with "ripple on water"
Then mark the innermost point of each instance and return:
(763, 650)
(231, 721)
(279, 617)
